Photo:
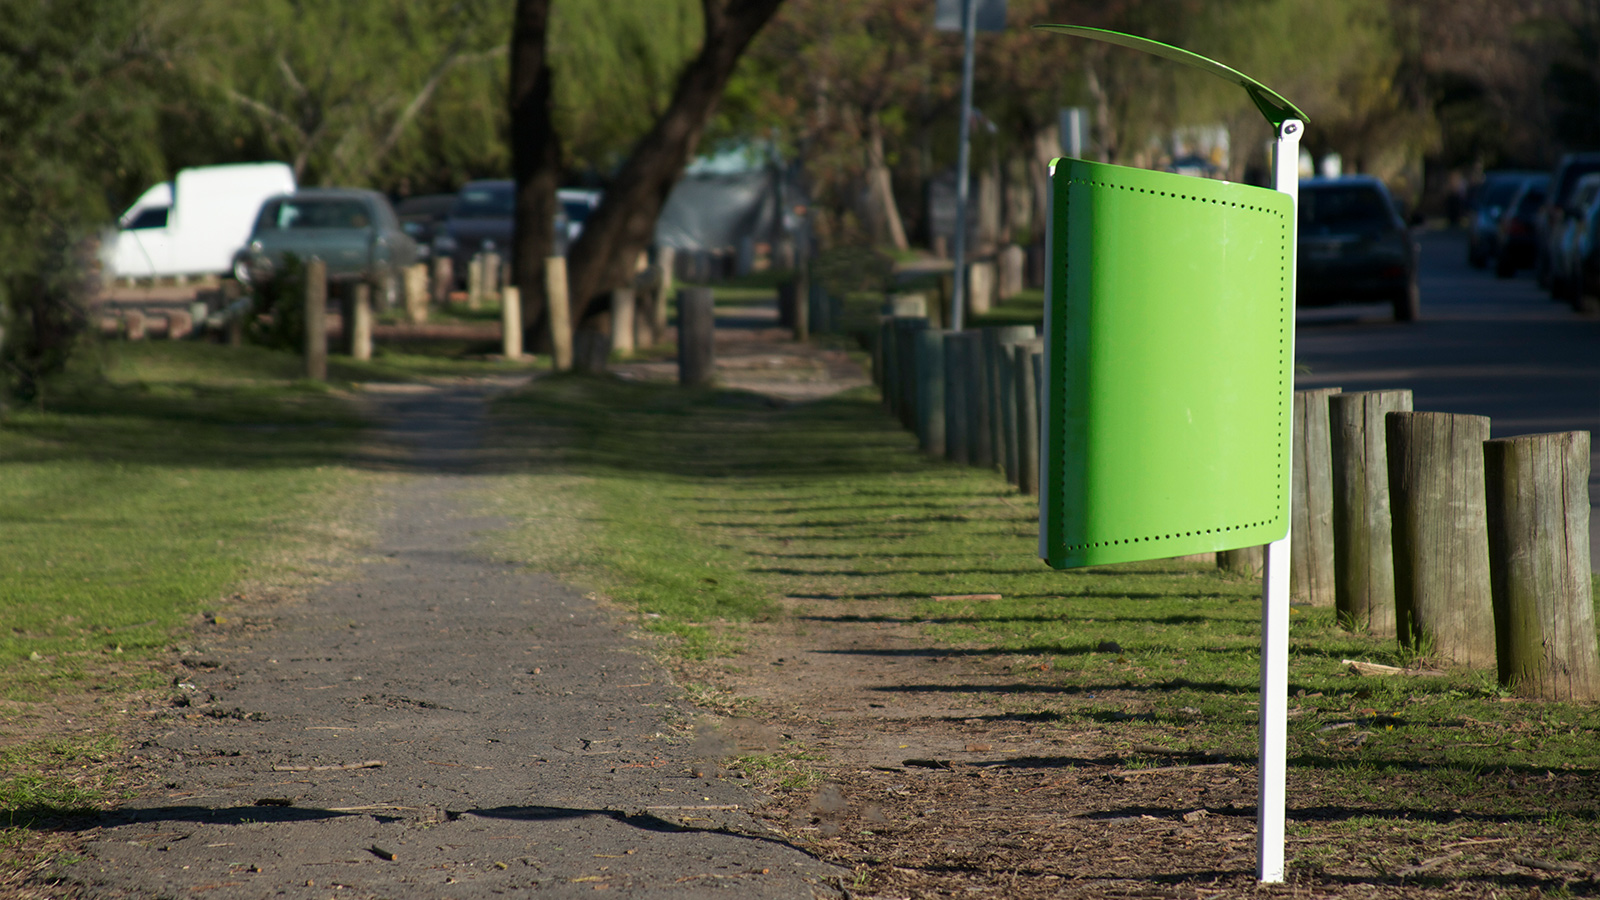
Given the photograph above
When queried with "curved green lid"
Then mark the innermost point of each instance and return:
(1272, 104)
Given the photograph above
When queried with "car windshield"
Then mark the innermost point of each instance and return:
(480, 202)
(1343, 207)
(315, 213)
(1529, 203)
(577, 210)
(1498, 192)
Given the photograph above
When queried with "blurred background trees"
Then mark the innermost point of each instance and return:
(101, 98)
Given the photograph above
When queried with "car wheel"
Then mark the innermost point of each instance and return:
(1408, 307)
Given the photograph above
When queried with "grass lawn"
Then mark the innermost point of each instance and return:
(700, 509)
(153, 484)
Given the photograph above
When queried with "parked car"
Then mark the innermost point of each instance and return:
(1354, 247)
(1484, 210)
(1557, 209)
(1516, 246)
(1566, 267)
(421, 216)
(354, 231)
(1588, 258)
(193, 224)
(577, 204)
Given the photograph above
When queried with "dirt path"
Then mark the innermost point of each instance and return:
(442, 725)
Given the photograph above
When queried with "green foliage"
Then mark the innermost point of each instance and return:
(77, 117)
(283, 300)
(616, 63)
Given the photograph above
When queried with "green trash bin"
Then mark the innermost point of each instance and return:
(1170, 317)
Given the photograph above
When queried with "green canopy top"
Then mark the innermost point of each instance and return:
(1273, 105)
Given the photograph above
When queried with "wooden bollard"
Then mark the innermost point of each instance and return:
(1247, 561)
(1013, 264)
(511, 323)
(475, 282)
(666, 258)
(180, 324)
(1027, 406)
(444, 279)
(959, 347)
(416, 287)
(696, 336)
(1441, 543)
(980, 288)
(359, 325)
(134, 323)
(624, 303)
(558, 310)
(905, 331)
(1538, 515)
(928, 356)
(1311, 510)
(1363, 552)
(882, 353)
(980, 438)
(316, 318)
(997, 343)
(491, 275)
(802, 303)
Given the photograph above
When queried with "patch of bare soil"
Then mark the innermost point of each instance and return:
(929, 789)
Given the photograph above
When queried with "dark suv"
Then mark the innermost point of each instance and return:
(1354, 247)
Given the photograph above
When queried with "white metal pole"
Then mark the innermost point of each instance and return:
(1275, 591)
(969, 30)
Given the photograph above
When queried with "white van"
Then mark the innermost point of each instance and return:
(193, 224)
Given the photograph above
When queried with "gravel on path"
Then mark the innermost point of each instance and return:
(442, 725)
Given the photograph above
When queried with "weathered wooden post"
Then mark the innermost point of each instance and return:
(491, 275)
(696, 336)
(1363, 552)
(802, 302)
(475, 282)
(883, 361)
(980, 437)
(511, 322)
(997, 343)
(1441, 542)
(1013, 264)
(980, 288)
(1246, 561)
(1538, 514)
(316, 317)
(1311, 507)
(416, 282)
(958, 346)
(559, 312)
(623, 304)
(906, 330)
(1026, 401)
(134, 323)
(359, 326)
(666, 258)
(928, 353)
(444, 279)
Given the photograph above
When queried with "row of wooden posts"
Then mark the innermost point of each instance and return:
(1412, 525)
(638, 313)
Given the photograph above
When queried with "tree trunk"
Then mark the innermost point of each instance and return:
(880, 189)
(624, 224)
(536, 159)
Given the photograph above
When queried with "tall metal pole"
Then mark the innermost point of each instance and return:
(1275, 594)
(969, 30)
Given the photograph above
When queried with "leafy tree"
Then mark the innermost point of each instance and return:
(623, 226)
(335, 88)
(77, 109)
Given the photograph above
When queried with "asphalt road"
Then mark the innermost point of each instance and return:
(1486, 346)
